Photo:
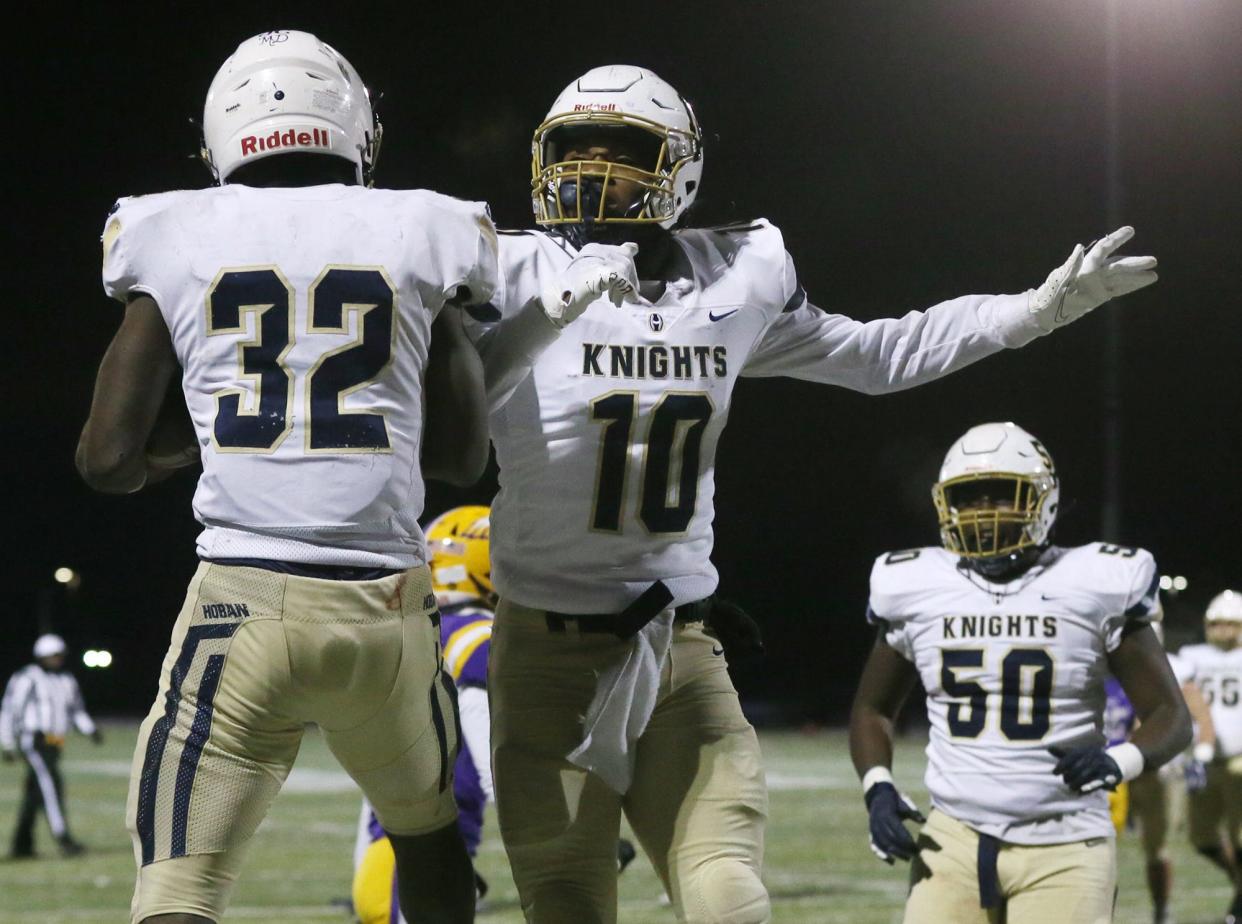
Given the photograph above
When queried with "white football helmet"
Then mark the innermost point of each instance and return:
(1226, 606)
(998, 492)
(288, 91)
(618, 96)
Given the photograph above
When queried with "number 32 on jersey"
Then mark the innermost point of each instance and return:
(338, 292)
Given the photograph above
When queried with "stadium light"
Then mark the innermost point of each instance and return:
(1166, 582)
(64, 575)
(1180, 583)
(89, 657)
(93, 658)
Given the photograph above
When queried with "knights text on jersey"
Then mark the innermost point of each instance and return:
(1011, 670)
(607, 448)
(301, 318)
(1219, 677)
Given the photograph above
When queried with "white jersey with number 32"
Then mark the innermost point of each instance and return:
(301, 318)
(1011, 670)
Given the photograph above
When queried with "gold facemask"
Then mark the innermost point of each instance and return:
(571, 192)
(991, 530)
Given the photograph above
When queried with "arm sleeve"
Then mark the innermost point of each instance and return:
(885, 355)
(10, 709)
(510, 347)
(82, 720)
(476, 729)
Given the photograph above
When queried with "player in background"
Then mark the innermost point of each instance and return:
(1157, 800)
(1216, 809)
(612, 350)
(297, 307)
(1013, 638)
(457, 546)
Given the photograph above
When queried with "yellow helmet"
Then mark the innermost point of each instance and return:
(459, 553)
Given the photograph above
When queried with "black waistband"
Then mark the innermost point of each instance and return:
(650, 603)
(306, 569)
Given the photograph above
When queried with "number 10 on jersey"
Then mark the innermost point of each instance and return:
(672, 454)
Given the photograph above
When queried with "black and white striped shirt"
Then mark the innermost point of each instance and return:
(41, 701)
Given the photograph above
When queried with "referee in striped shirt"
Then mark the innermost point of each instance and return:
(40, 702)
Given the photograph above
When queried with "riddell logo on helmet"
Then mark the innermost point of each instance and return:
(318, 138)
(595, 107)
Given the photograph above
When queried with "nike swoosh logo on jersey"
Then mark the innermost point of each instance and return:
(712, 316)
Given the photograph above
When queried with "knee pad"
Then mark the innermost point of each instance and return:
(725, 891)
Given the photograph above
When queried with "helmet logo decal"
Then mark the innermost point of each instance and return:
(317, 138)
(274, 38)
(595, 107)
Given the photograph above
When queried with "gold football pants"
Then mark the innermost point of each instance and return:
(255, 656)
(1073, 883)
(698, 802)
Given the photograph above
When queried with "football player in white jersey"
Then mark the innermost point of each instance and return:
(297, 307)
(1013, 639)
(1156, 799)
(1216, 809)
(609, 377)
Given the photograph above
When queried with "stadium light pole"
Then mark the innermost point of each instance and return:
(1110, 510)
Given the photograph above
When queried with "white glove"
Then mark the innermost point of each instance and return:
(598, 269)
(1087, 280)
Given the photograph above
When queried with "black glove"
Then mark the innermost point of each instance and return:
(1086, 768)
(737, 632)
(888, 809)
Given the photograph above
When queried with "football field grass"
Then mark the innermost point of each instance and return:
(818, 867)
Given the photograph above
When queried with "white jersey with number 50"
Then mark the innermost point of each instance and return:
(1011, 670)
(607, 448)
(301, 318)
(1219, 677)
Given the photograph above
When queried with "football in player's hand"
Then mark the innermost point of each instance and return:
(172, 443)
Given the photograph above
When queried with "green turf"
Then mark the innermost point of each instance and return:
(818, 866)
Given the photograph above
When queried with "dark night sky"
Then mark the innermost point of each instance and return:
(910, 152)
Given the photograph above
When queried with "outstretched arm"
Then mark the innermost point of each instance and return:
(129, 391)
(892, 354)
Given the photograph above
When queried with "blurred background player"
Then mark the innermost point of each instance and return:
(461, 576)
(41, 703)
(1156, 801)
(1013, 639)
(1216, 809)
(301, 311)
(611, 362)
